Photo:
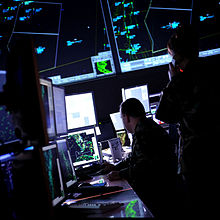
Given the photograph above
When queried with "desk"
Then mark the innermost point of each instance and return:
(132, 207)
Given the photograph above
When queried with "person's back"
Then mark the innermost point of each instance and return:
(154, 142)
(155, 178)
(151, 169)
(186, 101)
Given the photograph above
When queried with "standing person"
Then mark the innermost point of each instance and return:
(185, 102)
(151, 168)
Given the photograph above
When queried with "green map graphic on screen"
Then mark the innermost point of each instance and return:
(103, 67)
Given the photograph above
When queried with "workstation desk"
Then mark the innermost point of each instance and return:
(131, 206)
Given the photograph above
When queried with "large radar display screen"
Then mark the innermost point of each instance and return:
(40, 20)
(209, 27)
(70, 38)
(83, 40)
(83, 147)
(142, 29)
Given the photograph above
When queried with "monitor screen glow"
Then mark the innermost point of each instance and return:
(122, 135)
(69, 176)
(117, 121)
(83, 147)
(47, 97)
(60, 110)
(142, 29)
(53, 170)
(138, 92)
(80, 110)
(7, 128)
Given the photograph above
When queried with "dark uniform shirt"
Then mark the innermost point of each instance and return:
(151, 168)
(187, 100)
(191, 101)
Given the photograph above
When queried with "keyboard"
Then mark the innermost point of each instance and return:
(95, 207)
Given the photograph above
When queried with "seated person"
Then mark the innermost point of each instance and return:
(151, 168)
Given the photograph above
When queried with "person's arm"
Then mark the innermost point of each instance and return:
(121, 171)
(172, 98)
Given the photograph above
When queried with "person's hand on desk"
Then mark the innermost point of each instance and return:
(107, 167)
(114, 175)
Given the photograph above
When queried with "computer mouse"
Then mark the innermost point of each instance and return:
(84, 184)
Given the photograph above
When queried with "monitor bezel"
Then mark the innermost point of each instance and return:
(57, 199)
(71, 182)
(48, 82)
(60, 133)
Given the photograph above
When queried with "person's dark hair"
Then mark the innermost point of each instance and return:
(132, 107)
(184, 41)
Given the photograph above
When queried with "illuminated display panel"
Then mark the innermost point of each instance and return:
(69, 51)
(83, 147)
(142, 29)
(84, 51)
(68, 173)
(103, 67)
(209, 28)
(107, 131)
(138, 92)
(47, 97)
(31, 15)
(80, 110)
(122, 135)
(53, 170)
(46, 50)
(7, 129)
(117, 121)
(41, 20)
(60, 110)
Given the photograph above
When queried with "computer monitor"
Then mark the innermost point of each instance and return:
(117, 121)
(142, 29)
(80, 110)
(122, 136)
(60, 110)
(139, 92)
(53, 170)
(83, 147)
(138, 35)
(7, 128)
(107, 130)
(67, 169)
(2, 79)
(125, 137)
(47, 97)
(23, 94)
(39, 19)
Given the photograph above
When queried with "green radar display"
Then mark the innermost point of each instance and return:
(103, 67)
(83, 147)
